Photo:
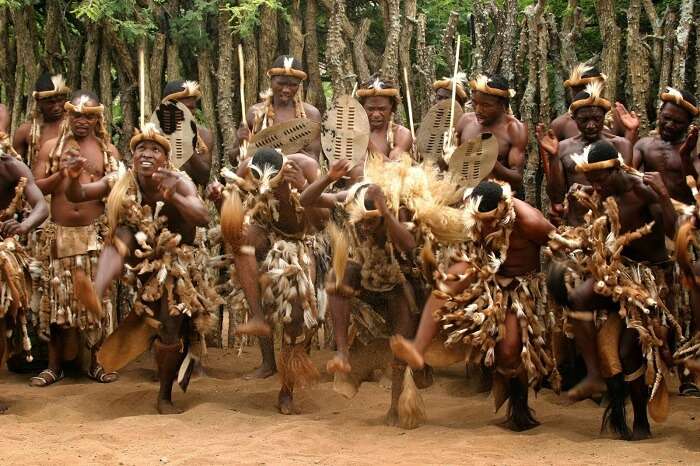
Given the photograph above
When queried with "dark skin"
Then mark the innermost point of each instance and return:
(446, 94)
(560, 168)
(199, 166)
(185, 212)
(11, 170)
(491, 116)
(284, 88)
(530, 233)
(662, 152)
(379, 111)
(52, 113)
(71, 214)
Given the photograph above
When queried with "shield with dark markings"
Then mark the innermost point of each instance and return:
(345, 131)
(289, 137)
(178, 125)
(474, 160)
(431, 133)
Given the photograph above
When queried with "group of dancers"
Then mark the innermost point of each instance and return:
(363, 227)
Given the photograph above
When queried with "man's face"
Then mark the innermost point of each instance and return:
(284, 88)
(590, 122)
(602, 181)
(673, 122)
(83, 124)
(488, 108)
(51, 108)
(442, 94)
(190, 103)
(149, 156)
(378, 110)
(366, 228)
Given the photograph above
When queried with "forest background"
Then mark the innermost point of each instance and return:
(642, 45)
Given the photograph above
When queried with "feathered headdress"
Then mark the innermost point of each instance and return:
(59, 88)
(576, 78)
(481, 84)
(446, 83)
(594, 90)
(189, 89)
(583, 166)
(378, 87)
(83, 108)
(150, 132)
(287, 70)
(675, 96)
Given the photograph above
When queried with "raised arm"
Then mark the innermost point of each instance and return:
(554, 169)
(660, 204)
(314, 196)
(35, 198)
(200, 163)
(689, 156)
(182, 194)
(399, 234)
(47, 183)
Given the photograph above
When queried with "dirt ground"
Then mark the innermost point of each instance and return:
(234, 421)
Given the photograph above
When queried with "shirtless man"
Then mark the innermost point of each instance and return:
(188, 93)
(50, 95)
(14, 172)
(380, 98)
(640, 202)
(157, 182)
(491, 102)
(279, 233)
(515, 275)
(72, 239)
(282, 103)
(443, 91)
(588, 109)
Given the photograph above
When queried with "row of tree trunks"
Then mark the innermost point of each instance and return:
(610, 34)
(314, 92)
(224, 98)
(685, 21)
(637, 69)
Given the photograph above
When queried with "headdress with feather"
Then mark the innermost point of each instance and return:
(675, 96)
(59, 88)
(287, 69)
(576, 78)
(149, 132)
(189, 89)
(446, 83)
(83, 108)
(481, 84)
(594, 90)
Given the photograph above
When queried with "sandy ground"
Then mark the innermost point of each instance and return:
(234, 421)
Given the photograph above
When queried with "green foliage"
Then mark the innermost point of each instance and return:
(190, 26)
(131, 21)
(246, 15)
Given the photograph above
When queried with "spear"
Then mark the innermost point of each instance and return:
(244, 146)
(448, 147)
(142, 87)
(408, 98)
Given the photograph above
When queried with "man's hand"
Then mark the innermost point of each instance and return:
(167, 182)
(656, 182)
(628, 120)
(691, 141)
(557, 214)
(72, 163)
(13, 227)
(339, 169)
(375, 194)
(215, 191)
(243, 133)
(547, 140)
(293, 175)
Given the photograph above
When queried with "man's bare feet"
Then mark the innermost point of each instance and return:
(588, 387)
(285, 402)
(255, 326)
(339, 363)
(343, 384)
(3, 407)
(261, 372)
(404, 350)
(167, 407)
(392, 417)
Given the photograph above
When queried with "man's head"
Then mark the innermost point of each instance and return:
(363, 210)
(266, 160)
(489, 195)
(379, 96)
(677, 111)
(286, 75)
(490, 98)
(588, 110)
(185, 92)
(84, 113)
(151, 150)
(50, 93)
(443, 90)
(582, 75)
(602, 167)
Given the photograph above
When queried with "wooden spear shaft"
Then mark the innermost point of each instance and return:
(454, 82)
(243, 151)
(410, 107)
(142, 87)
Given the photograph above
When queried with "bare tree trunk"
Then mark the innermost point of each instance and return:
(478, 39)
(267, 45)
(559, 104)
(224, 75)
(336, 48)
(509, 35)
(105, 72)
(667, 56)
(74, 47)
(520, 57)
(542, 52)
(126, 99)
(173, 69)
(156, 68)
(359, 44)
(637, 65)
(17, 114)
(52, 34)
(409, 13)
(390, 61)
(681, 46)
(697, 56)
(251, 70)
(657, 28)
(5, 73)
(314, 93)
(24, 28)
(426, 70)
(610, 33)
(92, 45)
(205, 68)
(570, 32)
(449, 37)
(296, 34)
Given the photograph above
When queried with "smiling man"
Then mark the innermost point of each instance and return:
(491, 102)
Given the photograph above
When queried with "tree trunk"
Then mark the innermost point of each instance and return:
(610, 33)
(542, 52)
(685, 21)
(697, 56)
(155, 65)
(17, 114)
(126, 99)
(390, 60)
(74, 46)
(449, 37)
(5, 73)
(52, 34)
(92, 45)
(409, 13)
(267, 45)
(205, 69)
(224, 76)
(105, 72)
(359, 44)
(509, 35)
(173, 69)
(426, 70)
(296, 34)
(24, 27)
(571, 28)
(658, 31)
(667, 56)
(336, 48)
(638, 67)
(479, 39)
(251, 70)
(314, 92)
(520, 57)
